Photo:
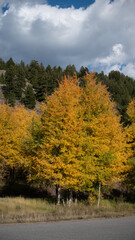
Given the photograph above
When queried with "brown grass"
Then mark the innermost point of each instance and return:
(20, 210)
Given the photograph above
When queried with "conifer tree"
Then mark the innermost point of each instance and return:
(29, 99)
(2, 65)
(42, 84)
(19, 82)
(9, 81)
(10, 63)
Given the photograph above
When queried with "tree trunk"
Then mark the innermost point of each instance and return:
(63, 202)
(58, 194)
(99, 195)
(70, 198)
(76, 198)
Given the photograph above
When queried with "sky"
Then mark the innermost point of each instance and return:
(98, 34)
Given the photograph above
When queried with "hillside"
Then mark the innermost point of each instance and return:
(29, 84)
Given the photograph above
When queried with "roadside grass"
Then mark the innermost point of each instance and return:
(21, 210)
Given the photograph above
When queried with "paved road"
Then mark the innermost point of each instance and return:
(96, 229)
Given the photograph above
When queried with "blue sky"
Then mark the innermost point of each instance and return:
(4, 8)
(61, 4)
(69, 3)
(98, 34)
(75, 3)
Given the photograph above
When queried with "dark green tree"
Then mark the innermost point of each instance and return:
(32, 75)
(10, 98)
(2, 79)
(81, 74)
(9, 81)
(22, 65)
(49, 80)
(42, 84)
(53, 76)
(29, 99)
(2, 65)
(122, 89)
(83, 71)
(10, 63)
(19, 82)
(60, 73)
(70, 70)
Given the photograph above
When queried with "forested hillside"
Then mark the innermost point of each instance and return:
(30, 84)
(76, 142)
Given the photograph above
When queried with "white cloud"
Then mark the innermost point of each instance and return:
(113, 61)
(101, 36)
(129, 70)
(117, 56)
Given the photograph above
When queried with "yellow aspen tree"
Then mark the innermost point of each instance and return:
(32, 146)
(5, 130)
(130, 130)
(105, 141)
(58, 160)
(13, 129)
(81, 141)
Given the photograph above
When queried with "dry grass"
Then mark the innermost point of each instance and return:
(19, 210)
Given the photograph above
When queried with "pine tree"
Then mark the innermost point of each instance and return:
(19, 82)
(33, 71)
(2, 65)
(29, 99)
(9, 80)
(10, 63)
(70, 70)
(42, 84)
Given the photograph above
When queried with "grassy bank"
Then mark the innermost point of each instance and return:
(19, 210)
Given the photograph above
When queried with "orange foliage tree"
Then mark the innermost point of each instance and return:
(13, 129)
(105, 142)
(131, 144)
(58, 158)
(81, 139)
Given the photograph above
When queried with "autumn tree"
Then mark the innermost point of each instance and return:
(105, 142)
(13, 128)
(57, 160)
(131, 144)
(82, 142)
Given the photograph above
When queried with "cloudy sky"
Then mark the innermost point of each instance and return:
(98, 34)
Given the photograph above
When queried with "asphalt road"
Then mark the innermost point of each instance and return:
(95, 229)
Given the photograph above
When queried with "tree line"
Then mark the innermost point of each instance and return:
(31, 83)
(77, 142)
